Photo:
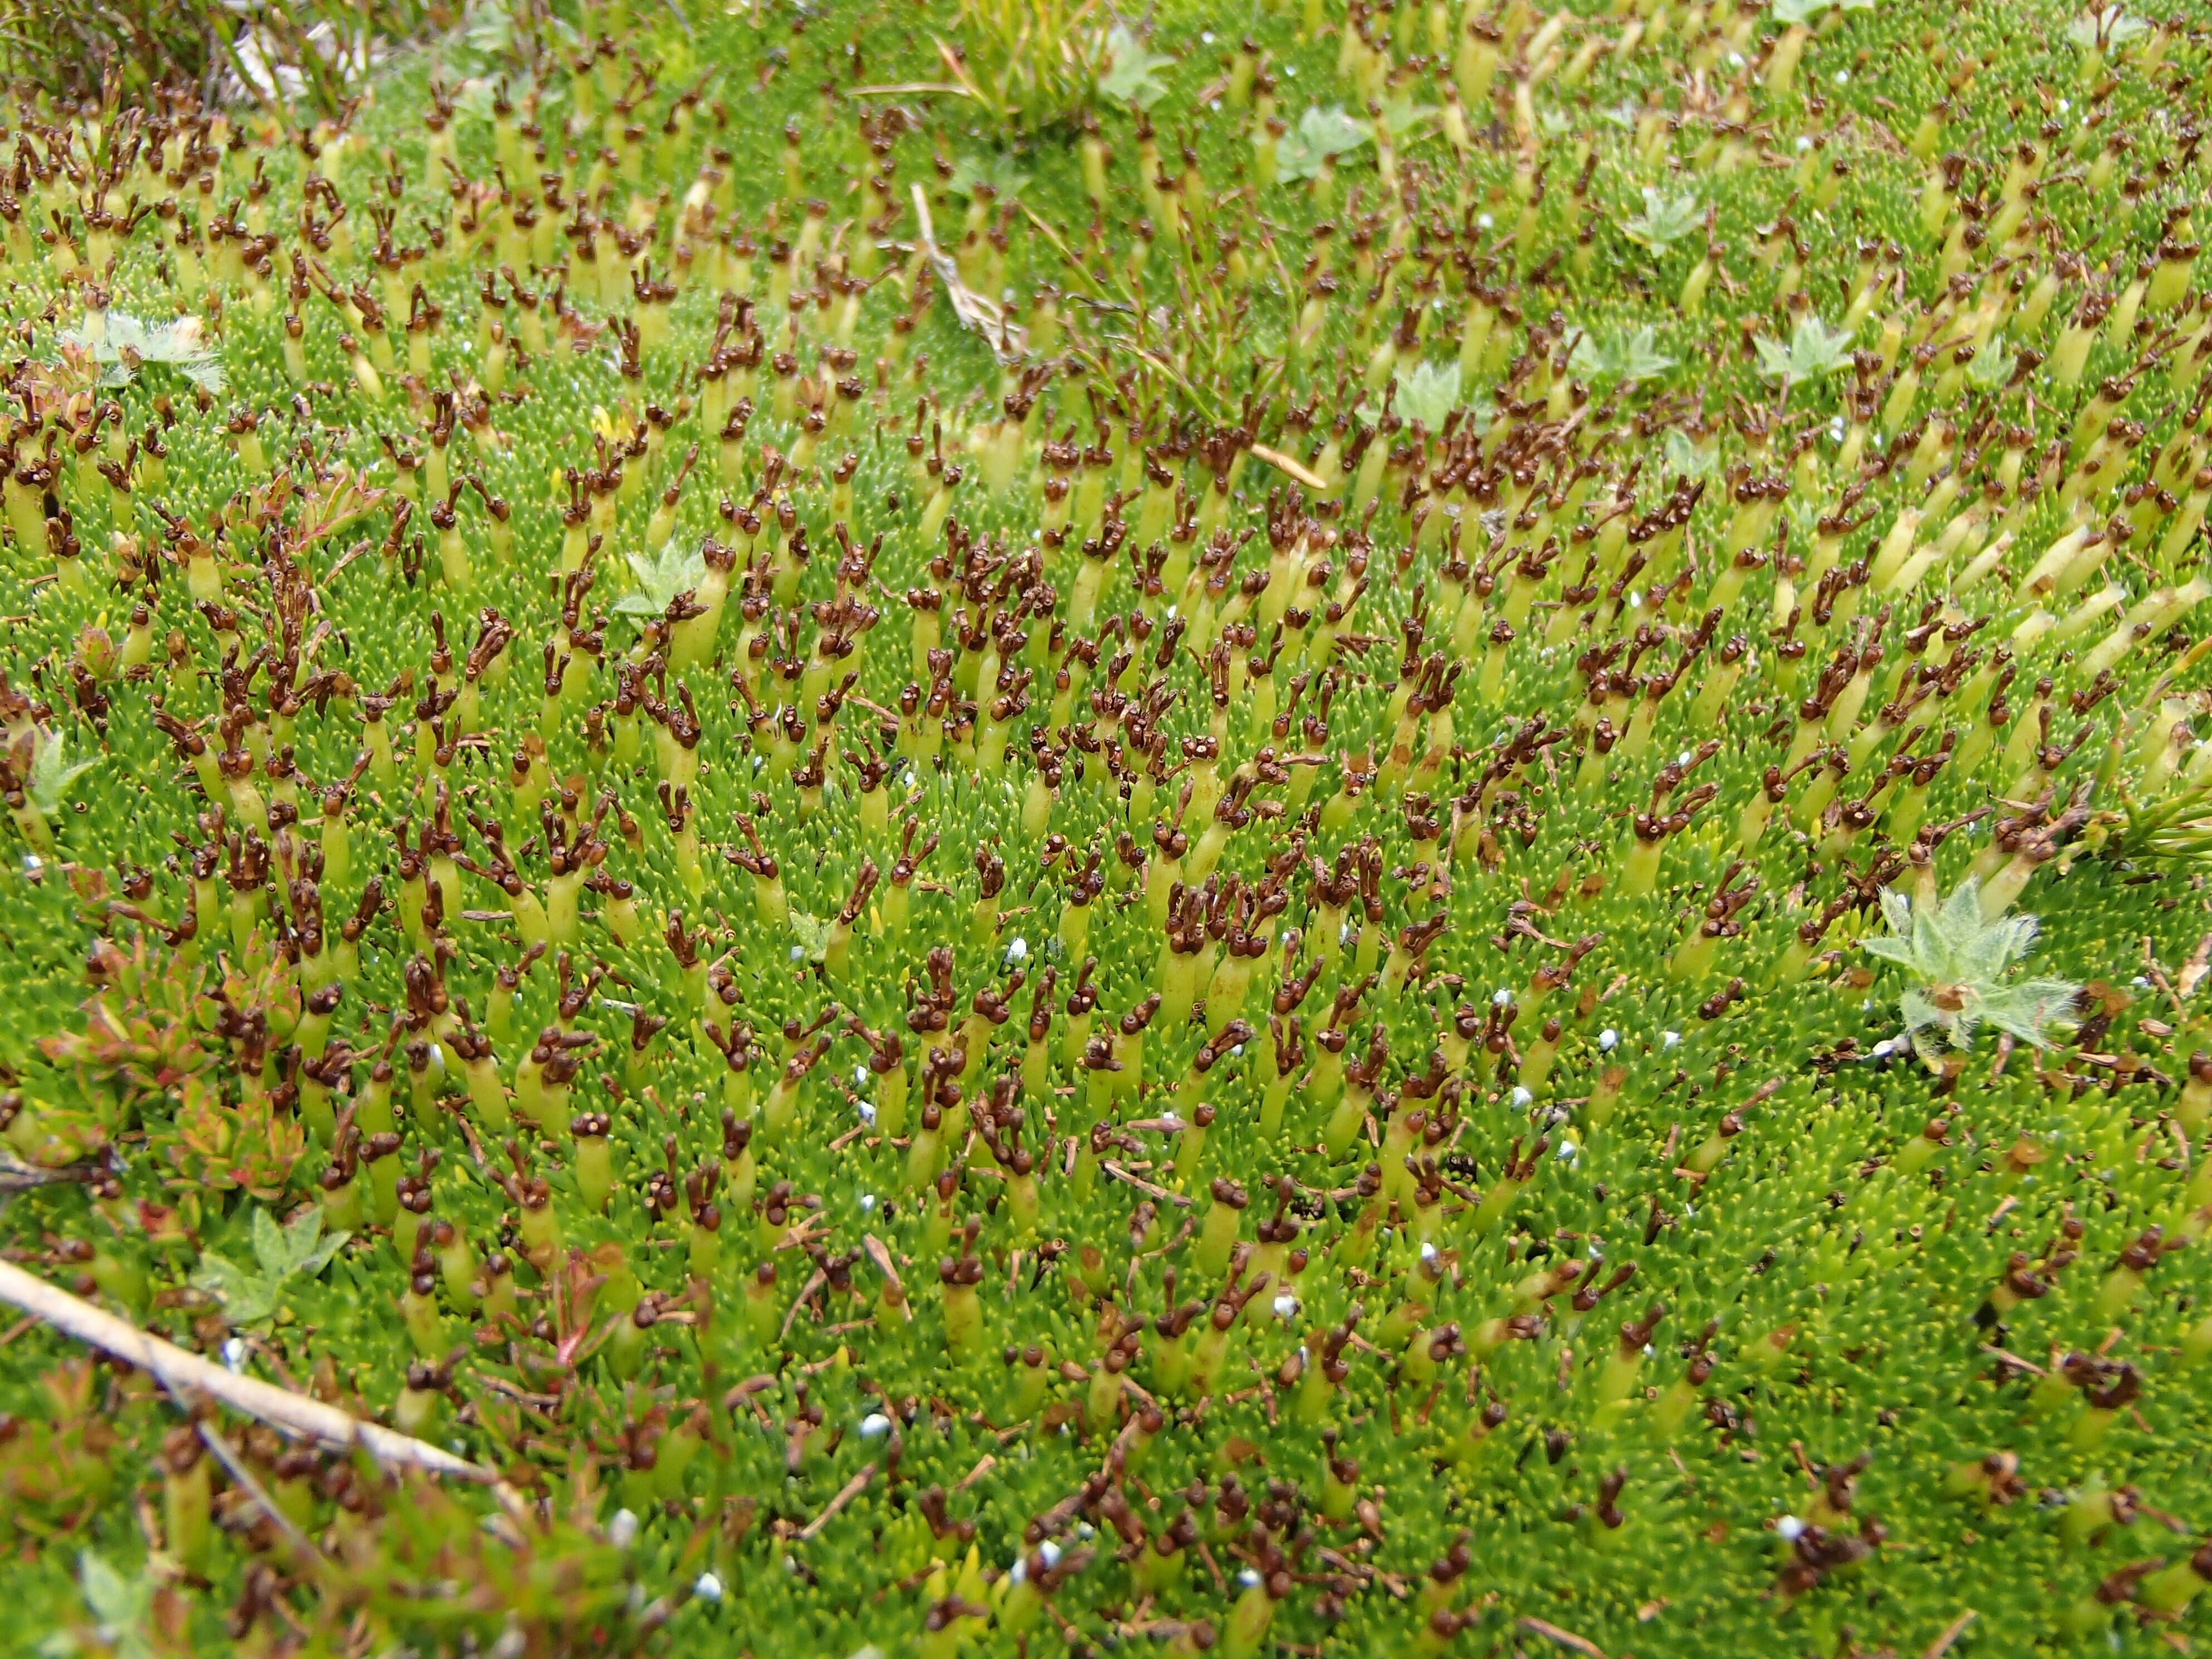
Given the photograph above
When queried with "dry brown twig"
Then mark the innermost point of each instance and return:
(179, 1370)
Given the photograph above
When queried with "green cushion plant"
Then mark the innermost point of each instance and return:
(1006, 828)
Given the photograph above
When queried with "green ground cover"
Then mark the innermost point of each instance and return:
(1241, 829)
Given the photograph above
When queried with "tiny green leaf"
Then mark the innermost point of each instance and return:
(1957, 961)
(1815, 352)
(51, 772)
(1666, 219)
(1321, 132)
(1133, 70)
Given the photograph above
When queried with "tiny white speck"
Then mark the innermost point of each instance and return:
(1501, 997)
(622, 1531)
(1668, 1039)
(1884, 1048)
(1169, 1122)
(1736, 58)
(1285, 1305)
(1685, 757)
(868, 1202)
(1842, 77)
(1868, 1004)
(1083, 1530)
(1249, 1577)
(33, 861)
(2065, 104)
(1428, 1251)
(708, 1589)
(874, 1427)
(1636, 601)
(1050, 1551)
(1790, 1527)
(1803, 143)
(1018, 950)
(1019, 1572)
(1607, 1039)
(1205, 37)
(2139, 981)
(1568, 1151)
(859, 1076)
(798, 952)
(1484, 221)
(1290, 69)
(867, 1111)
(233, 1353)
(1520, 1095)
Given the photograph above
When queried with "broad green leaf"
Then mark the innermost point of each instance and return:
(813, 934)
(1631, 356)
(1815, 352)
(1666, 219)
(272, 1248)
(307, 1250)
(1133, 70)
(1321, 132)
(997, 170)
(1685, 459)
(1429, 394)
(1402, 116)
(661, 579)
(2105, 26)
(51, 772)
(120, 343)
(1957, 963)
(1992, 366)
(246, 1299)
(120, 1608)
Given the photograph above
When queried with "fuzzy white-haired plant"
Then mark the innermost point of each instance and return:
(1959, 963)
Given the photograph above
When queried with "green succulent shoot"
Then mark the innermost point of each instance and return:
(297, 1249)
(1959, 963)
